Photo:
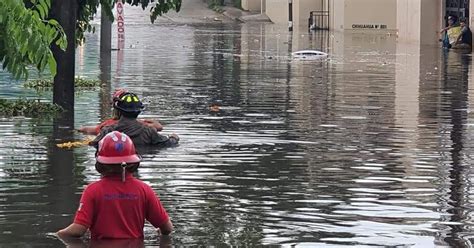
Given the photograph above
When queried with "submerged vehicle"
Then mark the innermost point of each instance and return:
(309, 55)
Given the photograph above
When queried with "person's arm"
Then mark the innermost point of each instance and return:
(162, 140)
(104, 131)
(72, 231)
(445, 29)
(154, 124)
(156, 213)
(174, 137)
(166, 228)
(88, 130)
(83, 218)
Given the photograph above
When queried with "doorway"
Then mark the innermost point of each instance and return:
(459, 8)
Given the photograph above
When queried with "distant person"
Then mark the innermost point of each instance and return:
(116, 206)
(464, 40)
(95, 130)
(451, 32)
(129, 107)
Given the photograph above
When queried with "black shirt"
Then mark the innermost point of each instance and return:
(466, 37)
(140, 133)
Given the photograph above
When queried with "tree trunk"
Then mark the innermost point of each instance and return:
(65, 12)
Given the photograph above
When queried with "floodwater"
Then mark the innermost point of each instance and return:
(372, 147)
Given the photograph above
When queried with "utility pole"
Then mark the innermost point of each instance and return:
(105, 33)
(290, 15)
(105, 63)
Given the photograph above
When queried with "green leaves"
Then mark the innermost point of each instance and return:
(52, 65)
(26, 34)
(88, 8)
(31, 108)
(163, 6)
(29, 36)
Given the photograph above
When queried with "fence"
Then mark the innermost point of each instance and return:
(318, 20)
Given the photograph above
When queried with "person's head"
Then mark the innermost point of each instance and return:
(129, 105)
(452, 19)
(116, 97)
(116, 155)
(462, 21)
(117, 94)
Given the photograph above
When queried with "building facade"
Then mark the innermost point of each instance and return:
(410, 20)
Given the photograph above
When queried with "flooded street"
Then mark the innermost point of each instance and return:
(372, 147)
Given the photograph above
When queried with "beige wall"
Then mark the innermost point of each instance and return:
(251, 5)
(360, 15)
(431, 21)
(382, 14)
(411, 20)
(471, 13)
(277, 11)
(408, 21)
(337, 14)
(419, 20)
(301, 10)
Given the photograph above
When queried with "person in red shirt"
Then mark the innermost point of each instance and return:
(95, 130)
(116, 206)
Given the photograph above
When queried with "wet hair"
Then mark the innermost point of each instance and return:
(133, 115)
(115, 169)
(115, 114)
(453, 18)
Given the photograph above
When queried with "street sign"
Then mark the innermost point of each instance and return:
(120, 26)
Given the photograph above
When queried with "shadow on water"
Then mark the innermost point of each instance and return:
(43, 189)
(62, 169)
(456, 70)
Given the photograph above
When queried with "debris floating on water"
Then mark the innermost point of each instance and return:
(74, 144)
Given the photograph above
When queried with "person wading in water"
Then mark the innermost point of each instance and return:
(95, 130)
(116, 206)
(129, 107)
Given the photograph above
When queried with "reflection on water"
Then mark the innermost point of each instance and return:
(371, 147)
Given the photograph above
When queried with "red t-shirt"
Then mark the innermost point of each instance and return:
(111, 208)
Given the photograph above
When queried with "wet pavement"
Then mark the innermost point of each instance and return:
(370, 148)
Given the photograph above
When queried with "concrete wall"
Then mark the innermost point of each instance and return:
(471, 14)
(302, 8)
(431, 21)
(337, 13)
(411, 20)
(408, 21)
(251, 5)
(362, 14)
(277, 11)
(419, 20)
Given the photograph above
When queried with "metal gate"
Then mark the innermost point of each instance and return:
(459, 8)
(319, 19)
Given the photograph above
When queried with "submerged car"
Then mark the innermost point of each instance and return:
(309, 55)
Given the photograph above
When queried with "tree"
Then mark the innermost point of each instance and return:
(25, 36)
(74, 16)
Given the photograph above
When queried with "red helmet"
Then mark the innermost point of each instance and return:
(117, 94)
(116, 148)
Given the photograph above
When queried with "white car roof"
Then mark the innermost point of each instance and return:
(309, 51)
